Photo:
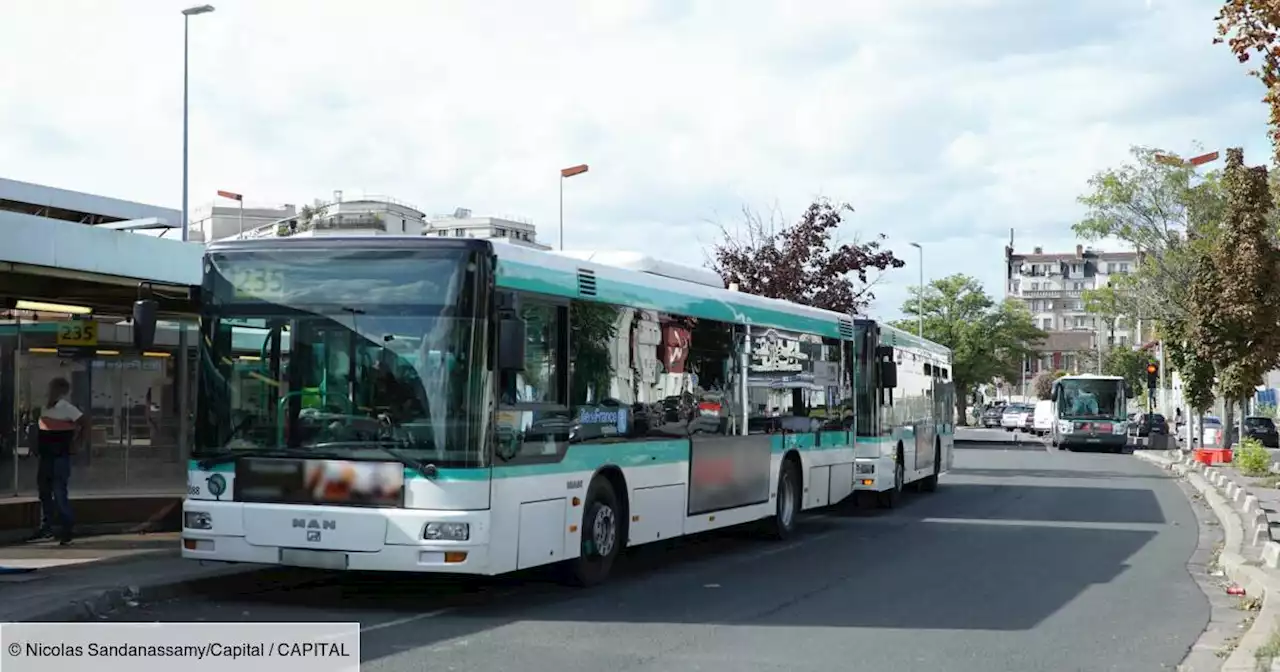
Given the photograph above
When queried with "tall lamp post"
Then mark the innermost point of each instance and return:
(920, 296)
(239, 198)
(566, 173)
(186, 33)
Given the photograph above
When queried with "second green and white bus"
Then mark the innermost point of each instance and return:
(433, 405)
(1091, 412)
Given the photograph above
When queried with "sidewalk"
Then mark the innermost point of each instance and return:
(97, 513)
(95, 575)
(1249, 510)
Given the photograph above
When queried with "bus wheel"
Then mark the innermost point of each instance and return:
(783, 522)
(890, 498)
(601, 535)
(930, 483)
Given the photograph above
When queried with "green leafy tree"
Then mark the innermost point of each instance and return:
(1130, 364)
(988, 339)
(1149, 204)
(1235, 313)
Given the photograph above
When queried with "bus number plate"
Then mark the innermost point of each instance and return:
(299, 557)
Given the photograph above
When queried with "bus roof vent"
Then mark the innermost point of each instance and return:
(586, 282)
(846, 328)
(634, 261)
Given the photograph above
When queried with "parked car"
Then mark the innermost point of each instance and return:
(1263, 429)
(1211, 431)
(991, 417)
(1018, 416)
(1146, 424)
(1043, 417)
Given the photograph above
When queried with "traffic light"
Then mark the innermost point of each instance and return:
(1153, 375)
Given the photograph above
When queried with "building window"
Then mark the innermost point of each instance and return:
(459, 233)
(1048, 323)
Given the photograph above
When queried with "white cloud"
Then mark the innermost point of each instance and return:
(943, 121)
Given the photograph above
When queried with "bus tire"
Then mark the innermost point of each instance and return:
(601, 540)
(930, 483)
(889, 498)
(782, 524)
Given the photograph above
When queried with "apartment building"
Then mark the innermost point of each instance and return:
(1052, 286)
(462, 224)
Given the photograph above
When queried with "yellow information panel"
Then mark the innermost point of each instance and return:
(78, 333)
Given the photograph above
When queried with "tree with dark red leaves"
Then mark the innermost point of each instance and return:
(801, 263)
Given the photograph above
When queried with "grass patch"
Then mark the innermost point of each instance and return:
(1272, 481)
(1271, 650)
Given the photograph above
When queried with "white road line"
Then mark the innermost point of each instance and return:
(406, 620)
(1068, 524)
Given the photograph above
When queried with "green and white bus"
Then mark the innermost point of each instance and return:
(1091, 412)
(425, 404)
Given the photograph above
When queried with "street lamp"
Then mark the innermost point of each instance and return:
(920, 297)
(239, 198)
(186, 32)
(565, 174)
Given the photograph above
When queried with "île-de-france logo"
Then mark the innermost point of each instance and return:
(217, 485)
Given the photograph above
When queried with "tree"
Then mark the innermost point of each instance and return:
(1250, 27)
(1149, 204)
(1235, 315)
(1130, 364)
(801, 263)
(1043, 383)
(988, 340)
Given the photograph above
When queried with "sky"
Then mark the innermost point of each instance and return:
(943, 122)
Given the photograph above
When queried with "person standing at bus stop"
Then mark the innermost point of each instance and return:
(62, 427)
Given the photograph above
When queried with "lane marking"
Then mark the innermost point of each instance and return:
(1071, 524)
(405, 620)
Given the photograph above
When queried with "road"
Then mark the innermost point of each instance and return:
(1025, 559)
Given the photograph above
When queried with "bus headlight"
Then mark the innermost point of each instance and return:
(446, 532)
(1064, 427)
(1119, 428)
(197, 520)
(866, 468)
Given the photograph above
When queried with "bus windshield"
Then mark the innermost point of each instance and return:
(1091, 399)
(342, 353)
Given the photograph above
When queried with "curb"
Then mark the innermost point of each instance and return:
(232, 579)
(1228, 503)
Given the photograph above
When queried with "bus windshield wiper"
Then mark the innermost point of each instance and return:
(427, 469)
(231, 456)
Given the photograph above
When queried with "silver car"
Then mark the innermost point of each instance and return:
(1018, 416)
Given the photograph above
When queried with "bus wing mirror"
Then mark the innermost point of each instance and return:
(512, 336)
(1054, 394)
(144, 323)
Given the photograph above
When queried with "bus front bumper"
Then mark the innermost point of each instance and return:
(1109, 441)
(400, 550)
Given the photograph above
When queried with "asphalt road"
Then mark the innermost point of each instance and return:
(1025, 559)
